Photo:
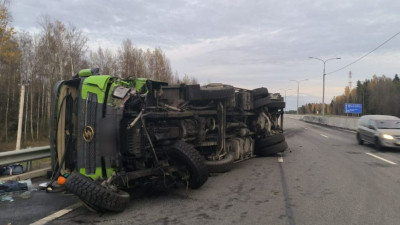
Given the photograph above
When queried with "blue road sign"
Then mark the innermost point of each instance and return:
(352, 108)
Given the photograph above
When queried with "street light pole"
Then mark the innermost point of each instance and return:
(285, 92)
(323, 81)
(298, 87)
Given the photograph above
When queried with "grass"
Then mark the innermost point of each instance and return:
(40, 163)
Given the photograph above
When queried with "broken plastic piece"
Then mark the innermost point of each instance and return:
(43, 186)
(6, 198)
(24, 195)
(28, 182)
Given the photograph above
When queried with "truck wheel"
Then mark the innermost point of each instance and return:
(220, 166)
(272, 150)
(96, 196)
(217, 91)
(187, 155)
(276, 105)
(260, 93)
(271, 140)
(261, 102)
(359, 140)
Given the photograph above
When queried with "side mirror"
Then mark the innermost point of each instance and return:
(371, 127)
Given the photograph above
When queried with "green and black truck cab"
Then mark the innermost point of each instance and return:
(109, 134)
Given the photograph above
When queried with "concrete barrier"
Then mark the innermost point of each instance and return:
(349, 123)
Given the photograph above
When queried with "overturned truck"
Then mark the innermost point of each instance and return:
(110, 134)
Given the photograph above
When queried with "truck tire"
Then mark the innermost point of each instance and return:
(96, 196)
(271, 140)
(220, 166)
(276, 105)
(260, 93)
(217, 91)
(188, 156)
(272, 150)
(261, 102)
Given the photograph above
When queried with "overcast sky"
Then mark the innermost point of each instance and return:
(244, 43)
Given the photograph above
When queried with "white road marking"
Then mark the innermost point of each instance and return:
(390, 162)
(56, 215)
(324, 135)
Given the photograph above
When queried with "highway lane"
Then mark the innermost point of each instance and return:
(332, 179)
(324, 178)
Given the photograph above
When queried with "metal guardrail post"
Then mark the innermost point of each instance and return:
(28, 165)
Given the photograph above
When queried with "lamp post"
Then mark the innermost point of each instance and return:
(285, 92)
(323, 81)
(298, 87)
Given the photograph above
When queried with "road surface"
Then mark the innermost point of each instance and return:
(324, 177)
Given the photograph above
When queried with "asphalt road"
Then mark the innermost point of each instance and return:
(325, 178)
(333, 180)
(38, 205)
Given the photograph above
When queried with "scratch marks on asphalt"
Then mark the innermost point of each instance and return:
(288, 207)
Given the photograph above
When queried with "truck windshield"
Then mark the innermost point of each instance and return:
(388, 124)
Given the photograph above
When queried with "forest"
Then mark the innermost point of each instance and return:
(32, 63)
(378, 95)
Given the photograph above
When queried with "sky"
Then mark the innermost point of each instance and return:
(248, 44)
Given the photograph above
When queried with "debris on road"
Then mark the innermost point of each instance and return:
(12, 186)
(15, 189)
(12, 169)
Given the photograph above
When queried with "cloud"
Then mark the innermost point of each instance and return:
(246, 43)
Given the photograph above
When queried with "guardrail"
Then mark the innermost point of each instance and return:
(24, 155)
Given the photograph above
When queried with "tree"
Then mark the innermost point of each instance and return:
(186, 79)
(9, 56)
(396, 78)
(56, 53)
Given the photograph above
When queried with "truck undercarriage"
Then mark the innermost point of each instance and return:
(110, 134)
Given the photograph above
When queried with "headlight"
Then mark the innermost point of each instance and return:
(387, 136)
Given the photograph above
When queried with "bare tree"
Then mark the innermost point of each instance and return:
(57, 52)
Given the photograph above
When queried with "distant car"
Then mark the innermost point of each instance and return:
(380, 130)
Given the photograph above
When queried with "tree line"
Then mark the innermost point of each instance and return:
(37, 61)
(378, 95)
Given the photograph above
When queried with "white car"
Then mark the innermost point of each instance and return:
(380, 130)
